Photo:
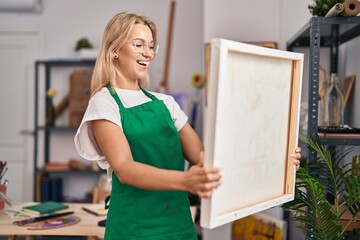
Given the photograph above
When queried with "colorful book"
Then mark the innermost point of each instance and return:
(45, 207)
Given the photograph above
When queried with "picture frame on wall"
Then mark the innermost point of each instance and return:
(251, 124)
(269, 44)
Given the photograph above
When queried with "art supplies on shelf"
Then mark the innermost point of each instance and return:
(45, 207)
(338, 129)
(338, 132)
(56, 166)
(96, 209)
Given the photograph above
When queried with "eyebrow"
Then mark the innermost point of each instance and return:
(143, 40)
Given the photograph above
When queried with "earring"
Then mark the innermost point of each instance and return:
(115, 56)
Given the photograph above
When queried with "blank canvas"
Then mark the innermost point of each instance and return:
(251, 128)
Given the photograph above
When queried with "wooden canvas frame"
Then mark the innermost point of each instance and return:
(251, 128)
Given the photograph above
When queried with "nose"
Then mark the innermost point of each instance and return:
(147, 50)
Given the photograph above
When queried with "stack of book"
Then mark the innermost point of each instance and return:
(45, 207)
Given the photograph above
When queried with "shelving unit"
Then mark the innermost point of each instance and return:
(320, 32)
(40, 127)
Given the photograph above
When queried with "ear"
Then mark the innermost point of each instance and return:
(115, 55)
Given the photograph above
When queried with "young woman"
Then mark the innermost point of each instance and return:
(142, 139)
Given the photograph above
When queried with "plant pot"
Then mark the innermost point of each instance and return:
(87, 53)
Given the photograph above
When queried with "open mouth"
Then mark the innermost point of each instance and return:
(142, 63)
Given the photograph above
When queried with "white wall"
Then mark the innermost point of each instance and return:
(64, 22)
(242, 20)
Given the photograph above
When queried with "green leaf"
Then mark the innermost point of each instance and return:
(318, 215)
(318, 219)
(83, 43)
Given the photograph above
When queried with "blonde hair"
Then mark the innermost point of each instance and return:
(115, 34)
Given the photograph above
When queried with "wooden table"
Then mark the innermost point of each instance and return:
(86, 227)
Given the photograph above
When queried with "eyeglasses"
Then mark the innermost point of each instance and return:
(140, 46)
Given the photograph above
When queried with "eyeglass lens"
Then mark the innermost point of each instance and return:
(140, 46)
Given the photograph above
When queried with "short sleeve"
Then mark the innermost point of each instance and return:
(101, 106)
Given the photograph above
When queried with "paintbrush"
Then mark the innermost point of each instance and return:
(6, 199)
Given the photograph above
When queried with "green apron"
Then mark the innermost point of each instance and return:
(148, 214)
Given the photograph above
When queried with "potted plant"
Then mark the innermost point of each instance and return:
(83, 43)
(325, 190)
(84, 49)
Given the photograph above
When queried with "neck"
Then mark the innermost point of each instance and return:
(133, 85)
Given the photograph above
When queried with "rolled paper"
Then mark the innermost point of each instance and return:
(351, 8)
(335, 10)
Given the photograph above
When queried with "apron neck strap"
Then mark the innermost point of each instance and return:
(117, 99)
(148, 94)
(114, 95)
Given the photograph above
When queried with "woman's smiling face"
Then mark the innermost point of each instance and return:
(131, 64)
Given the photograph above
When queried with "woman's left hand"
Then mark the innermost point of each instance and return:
(296, 157)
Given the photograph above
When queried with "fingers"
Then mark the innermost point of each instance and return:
(296, 154)
(296, 157)
(203, 181)
(212, 180)
(297, 163)
(208, 189)
(205, 175)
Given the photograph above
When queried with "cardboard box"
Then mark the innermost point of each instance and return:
(75, 119)
(80, 83)
(80, 91)
(78, 105)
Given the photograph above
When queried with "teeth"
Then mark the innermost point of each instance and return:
(142, 63)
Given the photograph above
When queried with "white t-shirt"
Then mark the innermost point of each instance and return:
(103, 106)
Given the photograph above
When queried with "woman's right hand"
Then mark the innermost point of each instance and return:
(202, 180)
